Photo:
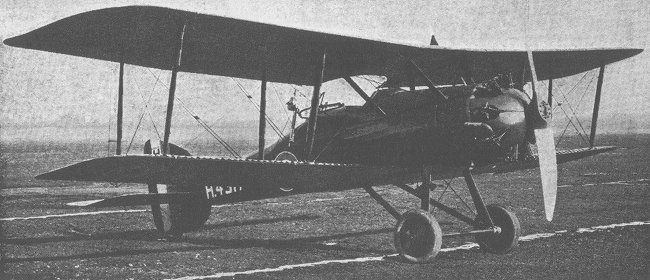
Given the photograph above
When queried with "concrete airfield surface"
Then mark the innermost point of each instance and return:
(601, 229)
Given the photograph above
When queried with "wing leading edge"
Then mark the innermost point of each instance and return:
(215, 45)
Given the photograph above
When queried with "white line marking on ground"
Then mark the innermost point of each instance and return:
(467, 246)
(71, 215)
(146, 210)
(639, 182)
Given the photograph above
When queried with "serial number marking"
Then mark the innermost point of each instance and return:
(217, 191)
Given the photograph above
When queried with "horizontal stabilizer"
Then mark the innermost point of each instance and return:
(138, 199)
(562, 157)
(206, 171)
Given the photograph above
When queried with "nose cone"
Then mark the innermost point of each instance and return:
(511, 117)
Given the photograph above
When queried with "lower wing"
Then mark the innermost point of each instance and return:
(258, 174)
(562, 157)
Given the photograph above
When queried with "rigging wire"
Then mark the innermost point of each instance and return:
(572, 89)
(374, 82)
(266, 116)
(214, 134)
(135, 132)
(576, 117)
(158, 81)
(573, 111)
(145, 108)
(197, 135)
(580, 102)
(286, 113)
(300, 92)
(461, 199)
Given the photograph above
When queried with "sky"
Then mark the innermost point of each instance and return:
(41, 89)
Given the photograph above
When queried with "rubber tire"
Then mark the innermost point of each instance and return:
(505, 241)
(418, 236)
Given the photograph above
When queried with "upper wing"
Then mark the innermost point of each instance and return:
(148, 36)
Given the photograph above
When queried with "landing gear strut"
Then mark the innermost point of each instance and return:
(418, 237)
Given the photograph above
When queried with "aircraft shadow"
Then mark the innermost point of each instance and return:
(145, 234)
(304, 243)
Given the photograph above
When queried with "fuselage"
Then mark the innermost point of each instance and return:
(417, 130)
(473, 126)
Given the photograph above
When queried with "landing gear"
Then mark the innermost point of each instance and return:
(172, 220)
(418, 236)
(506, 238)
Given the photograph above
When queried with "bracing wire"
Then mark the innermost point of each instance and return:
(135, 132)
(197, 135)
(250, 99)
(268, 119)
(299, 92)
(214, 134)
(580, 102)
(205, 126)
(573, 111)
(572, 89)
(145, 109)
(374, 82)
(277, 94)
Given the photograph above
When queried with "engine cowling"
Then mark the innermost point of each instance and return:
(505, 113)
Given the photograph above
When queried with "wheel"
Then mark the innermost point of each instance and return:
(286, 156)
(172, 220)
(505, 240)
(189, 216)
(418, 236)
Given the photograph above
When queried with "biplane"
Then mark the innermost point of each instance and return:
(441, 113)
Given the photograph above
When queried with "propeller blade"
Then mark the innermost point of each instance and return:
(545, 145)
(533, 115)
(547, 168)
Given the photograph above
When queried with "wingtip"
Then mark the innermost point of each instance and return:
(9, 41)
(18, 41)
(57, 174)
